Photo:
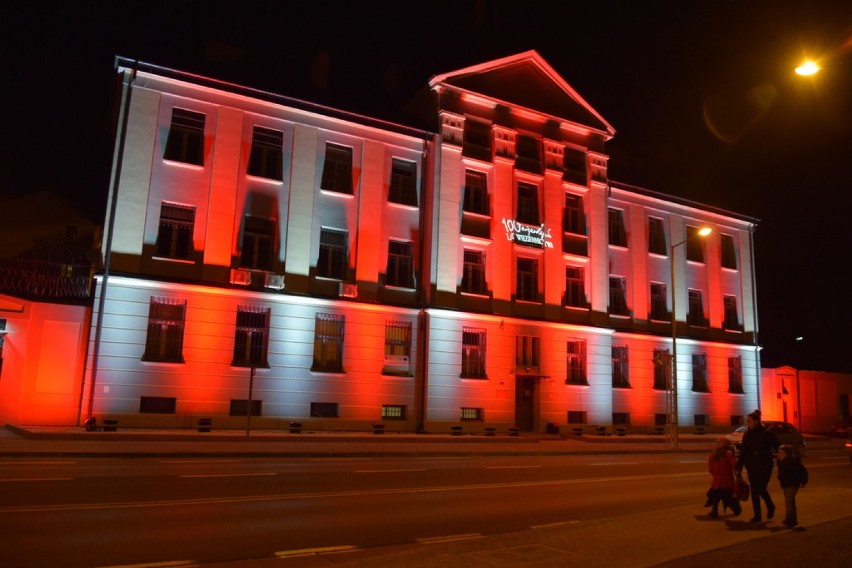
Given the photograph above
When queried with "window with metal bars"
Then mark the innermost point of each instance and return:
(333, 253)
(468, 413)
(617, 231)
(473, 353)
(699, 373)
(661, 368)
(656, 236)
(575, 287)
(185, 142)
(528, 204)
(251, 340)
(174, 237)
(618, 296)
(403, 182)
(473, 276)
(620, 367)
(267, 153)
(258, 246)
(527, 280)
(393, 412)
(337, 169)
(475, 193)
(166, 320)
(576, 355)
(328, 343)
(397, 347)
(400, 270)
(735, 374)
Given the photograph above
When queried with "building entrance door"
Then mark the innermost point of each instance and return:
(525, 387)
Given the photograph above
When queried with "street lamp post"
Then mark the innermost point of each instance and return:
(671, 391)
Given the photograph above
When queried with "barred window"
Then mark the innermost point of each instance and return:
(337, 169)
(185, 142)
(473, 353)
(166, 320)
(472, 413)
(258, 246)
(174, 237)
(400, 271)
(662, 368)
(393, 412)
(267, 153)
(576, 362)
(333, 253)
(251, 340)
(328, 343)
(397, 348)
(403, 182)
(620, 367)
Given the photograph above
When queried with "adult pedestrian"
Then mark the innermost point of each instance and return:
(756, 454)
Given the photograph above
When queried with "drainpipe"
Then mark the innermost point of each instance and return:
(121, 136)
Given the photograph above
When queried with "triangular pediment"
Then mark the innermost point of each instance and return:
(528, 81)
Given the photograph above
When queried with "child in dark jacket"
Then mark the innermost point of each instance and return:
(792, 475)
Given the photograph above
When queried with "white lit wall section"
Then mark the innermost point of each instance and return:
(136, 165)
(303, 180)
(745, 262)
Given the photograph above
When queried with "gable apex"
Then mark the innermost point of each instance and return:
(525, 80)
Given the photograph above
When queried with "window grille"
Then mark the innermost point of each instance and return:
(164, 341)
(251, 339)
(473, 353)
(328, 343)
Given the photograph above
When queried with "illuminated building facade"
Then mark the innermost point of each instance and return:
(299, 263)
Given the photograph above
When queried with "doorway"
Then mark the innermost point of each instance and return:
(525, 394)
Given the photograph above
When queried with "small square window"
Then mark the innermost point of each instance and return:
(472, 414)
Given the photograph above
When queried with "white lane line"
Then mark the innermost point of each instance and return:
(164, 564)
(554, 525)
(512, 466)
(614, 463)
(199, 461)
(448, 538)
(26, 479)
(388, 470)
(300, 552)
(228, 475)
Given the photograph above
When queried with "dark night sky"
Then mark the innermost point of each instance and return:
(700, 92)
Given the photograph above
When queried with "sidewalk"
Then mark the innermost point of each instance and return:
(669, 538)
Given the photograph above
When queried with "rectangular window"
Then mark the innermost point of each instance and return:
(328, 343)
(699, 372)
(258, 246)
(166, 319)
(473, 353)
(695, 316)
(403, 182)
(528, 150)
(527, 352)
(656, 236)
(157, 405)
(575, 287)
(732, 317)
(397, 348)
(393, 412)
(400, 270)
(694, 245)
(185, 142)
(574, 162)
(337, 169)
(735, 374)
(617, 231)
(577, 417)
(477, 140)
(473, 277)
(240, 407)
(661, 419)
(475, 193)
(267, 153)
(333, 253)
(174, 237)
(620, 367)
(618, 296)
(574, 218)
(659, 305)
(736, 420)
(527, 280)
(528, 204)
(576, 362)
(700, 420)
(472, 414)
(620, 418)
(251, 340)
(661, 369)
(325, 410)
(729, 252)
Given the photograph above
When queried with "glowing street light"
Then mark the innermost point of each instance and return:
(808, 68)
(671, 394)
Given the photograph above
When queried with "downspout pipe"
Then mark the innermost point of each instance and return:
(121, 136)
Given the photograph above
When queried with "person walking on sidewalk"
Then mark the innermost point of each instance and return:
(722, 467)
(756, 455)
(793, 475)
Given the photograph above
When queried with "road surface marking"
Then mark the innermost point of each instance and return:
(552, 525)
(448, 538)
(37, 479)
(614, 463)
(39, 463)
(227, 474)
(165, 564)
(296, 553)
(512, 466)
(199, 461)
(387, 470)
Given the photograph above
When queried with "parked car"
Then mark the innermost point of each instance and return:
(785, 432)
(842, 428)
